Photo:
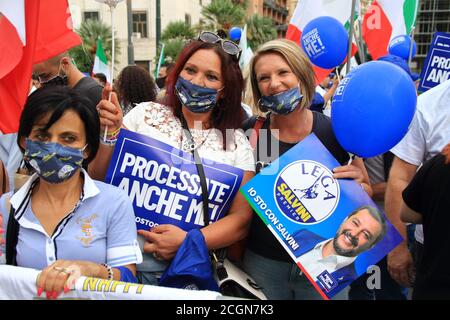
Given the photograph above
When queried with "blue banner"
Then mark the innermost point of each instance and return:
(436, 69)
(331, 228)
(163, 184)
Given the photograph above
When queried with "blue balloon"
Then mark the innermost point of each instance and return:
(325, 41)
(235, 33)
(400, 46)
(372, 108)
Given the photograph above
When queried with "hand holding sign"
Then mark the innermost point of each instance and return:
(325, 41)
(372, 108)
(163, 241)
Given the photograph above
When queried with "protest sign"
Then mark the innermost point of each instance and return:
(17, 283)
(331, 228)
(436, 69)
(163, 184)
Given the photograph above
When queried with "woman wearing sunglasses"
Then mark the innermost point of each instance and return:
(283, 83)
(204, 90)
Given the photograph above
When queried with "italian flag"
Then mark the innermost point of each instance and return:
(386, 19)
(31, 31)
(308, 10)
(101, 62)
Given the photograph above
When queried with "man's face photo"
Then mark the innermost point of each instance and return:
(356, 234)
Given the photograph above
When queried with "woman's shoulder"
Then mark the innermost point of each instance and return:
(151, 106)
(108, 191)
(240, 138)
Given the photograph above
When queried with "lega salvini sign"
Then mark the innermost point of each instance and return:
(330, 227)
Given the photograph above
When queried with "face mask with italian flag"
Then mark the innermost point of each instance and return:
(386, 19)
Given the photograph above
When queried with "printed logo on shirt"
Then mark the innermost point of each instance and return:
(327, 281)
(86, 230)
(306, 192)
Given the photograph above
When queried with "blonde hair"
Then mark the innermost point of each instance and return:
(297, 61)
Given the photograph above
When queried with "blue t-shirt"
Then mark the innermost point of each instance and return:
(100, 229)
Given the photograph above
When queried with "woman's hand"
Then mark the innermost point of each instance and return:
(356, 171)
(63, 274)
(349, 172)
(110, 112)
(163, 241)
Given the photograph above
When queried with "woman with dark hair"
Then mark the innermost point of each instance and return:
(133, 86)
(203, 94)
(62, 221)
(427, 202)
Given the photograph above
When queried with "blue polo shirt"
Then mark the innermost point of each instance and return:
(100, 229)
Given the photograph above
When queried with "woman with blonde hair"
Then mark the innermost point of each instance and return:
(283, 85)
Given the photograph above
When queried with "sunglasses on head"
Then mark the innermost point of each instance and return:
(228, 46)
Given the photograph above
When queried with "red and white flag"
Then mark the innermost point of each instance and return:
(386, 19)
(308, 10)
(31, 31)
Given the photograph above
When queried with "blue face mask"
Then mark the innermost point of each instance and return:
(53, 162)
(282, 103)
(197, 99)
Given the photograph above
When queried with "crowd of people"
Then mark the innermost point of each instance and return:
(60, 217)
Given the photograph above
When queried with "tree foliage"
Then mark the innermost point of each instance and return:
(260, 30)
(224, 14)
(89, 31)
(178, 30)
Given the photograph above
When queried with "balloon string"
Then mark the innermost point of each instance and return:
(338, 75)
(352, 157)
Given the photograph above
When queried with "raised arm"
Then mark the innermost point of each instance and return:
(400, 262)
(111, 119)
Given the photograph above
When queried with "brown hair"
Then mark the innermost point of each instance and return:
(135, 85)
(228, 113)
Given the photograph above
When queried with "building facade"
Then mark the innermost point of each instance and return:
(277, 10)
(144, 23)
(433, 16)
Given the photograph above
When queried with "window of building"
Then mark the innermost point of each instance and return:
(144, 64)
(187, 19)
(140, 23)
(90, 15)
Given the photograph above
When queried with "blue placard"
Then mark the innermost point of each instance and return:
(309, 211)
(436, 69)
(163, 183)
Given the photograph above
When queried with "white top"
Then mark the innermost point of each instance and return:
(429, 131)
(97, 229)
(158, 122)
(315, 264)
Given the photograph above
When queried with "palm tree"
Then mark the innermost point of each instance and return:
(172, 49)
(224, 14)
(178, 30)
(89, 31)
(260, 30)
